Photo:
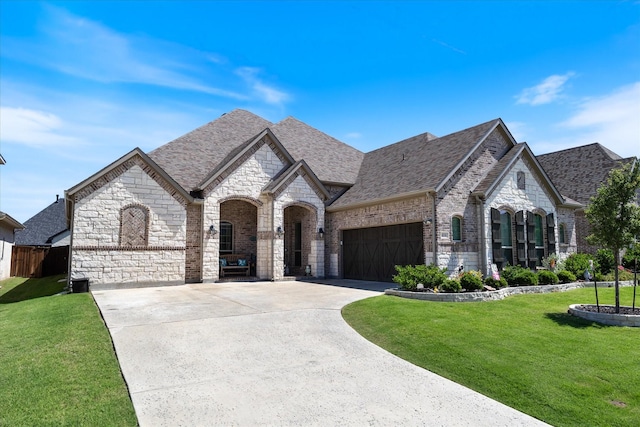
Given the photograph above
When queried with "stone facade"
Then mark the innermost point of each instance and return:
(97, 250)
(132, 222)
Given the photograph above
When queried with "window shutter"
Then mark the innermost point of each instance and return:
(531, 239)
(520, 239)
(551, 235)
(496, 239)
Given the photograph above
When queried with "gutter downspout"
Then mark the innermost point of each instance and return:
(71, 206)
(434, 231)
(483, 235)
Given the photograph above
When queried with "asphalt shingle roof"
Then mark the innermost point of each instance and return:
(579, 172)
(191, 158)
(417, 163)
(41, 227)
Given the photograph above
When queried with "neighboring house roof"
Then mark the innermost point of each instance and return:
(579, 172)
(194, 157)
(417, 164)
(43, 226)
(9, 222)
(2, 161)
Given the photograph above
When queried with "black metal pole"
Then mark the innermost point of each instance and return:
(595, 285)
(635, 283)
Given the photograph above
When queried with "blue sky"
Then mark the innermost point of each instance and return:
(83, 83)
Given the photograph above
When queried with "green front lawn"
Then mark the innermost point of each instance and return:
(524, 351)
(57, 363)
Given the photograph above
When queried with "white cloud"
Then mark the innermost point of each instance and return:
(83, 48)
(268, 94)
(518, 130)
(353, 135)
(32, 127)
(547, 91)
(613, 120)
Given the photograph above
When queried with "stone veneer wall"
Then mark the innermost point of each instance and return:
(245, 182)
(568, 217)
(96, 253)
(193, 256)
(454, 199)
(415, 209)
(508, 196)
(300, 192)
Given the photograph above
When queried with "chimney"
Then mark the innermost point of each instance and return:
(57, 198)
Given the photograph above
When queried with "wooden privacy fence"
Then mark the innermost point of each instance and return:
(38, 261)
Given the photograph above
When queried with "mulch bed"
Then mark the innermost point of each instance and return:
(609, 309)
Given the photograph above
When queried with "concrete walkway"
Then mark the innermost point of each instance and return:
(274, 354)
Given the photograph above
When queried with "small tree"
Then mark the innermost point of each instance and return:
(614, 214)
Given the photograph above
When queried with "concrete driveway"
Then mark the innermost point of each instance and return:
(273, 354)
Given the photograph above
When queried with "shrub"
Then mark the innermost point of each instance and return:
(519, 276)
(628, 260)
(578, 263)
(471, 280)
(497, 284)
(450, 285)
(566, 276)
(409, 276)
(546, 277)
(604, 258)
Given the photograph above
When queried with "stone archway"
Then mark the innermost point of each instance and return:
(238, 229)
(299, 234)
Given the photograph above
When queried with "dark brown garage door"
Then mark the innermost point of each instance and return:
(372, 253)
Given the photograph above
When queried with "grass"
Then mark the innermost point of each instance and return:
(524, 351)
(57, 363)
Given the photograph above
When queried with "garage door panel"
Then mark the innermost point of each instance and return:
(373, 253)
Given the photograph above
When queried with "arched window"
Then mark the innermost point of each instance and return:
(562, 237)
(456, 229)
(226, 237)
(506, 236)
(134, 226)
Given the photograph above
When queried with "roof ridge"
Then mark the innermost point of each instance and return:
(292, 118)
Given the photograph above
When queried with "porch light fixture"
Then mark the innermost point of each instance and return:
(279, 231)
(307, 270)
(212, 229)
(427, 221)
(321, 232)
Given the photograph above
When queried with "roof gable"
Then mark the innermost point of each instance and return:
(124, 163)
(505, 164)
(416, 164)
(191, 158)
(300, 168)
(241, 153)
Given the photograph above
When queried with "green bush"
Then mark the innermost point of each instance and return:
(519, 276)
(578, 263)
(409, 276)
(546, 277)
(450, 285)
(471, 280)
(497, 284)
(604, 258)
(566, 276)
(628, 260)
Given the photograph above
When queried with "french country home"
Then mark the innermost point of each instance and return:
(241, 196)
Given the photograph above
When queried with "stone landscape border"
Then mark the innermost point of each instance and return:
(612, 319)
(499, 294)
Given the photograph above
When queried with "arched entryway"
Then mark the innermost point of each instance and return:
(237, 232)
(299, 233)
